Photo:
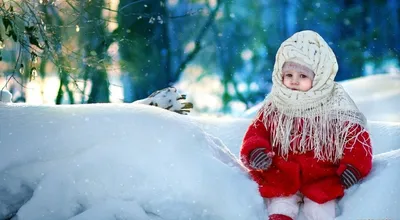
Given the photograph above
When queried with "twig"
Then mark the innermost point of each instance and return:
(131, 3)
(197, 47)
(189, 13)
(16, 80)
(12, 75)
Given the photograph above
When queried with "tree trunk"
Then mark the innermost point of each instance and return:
(142, 41)
(394, 43)
(95, 46)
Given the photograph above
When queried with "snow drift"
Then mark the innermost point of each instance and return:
(130, 161)
(81, 161)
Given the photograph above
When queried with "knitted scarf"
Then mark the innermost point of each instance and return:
(325, 114)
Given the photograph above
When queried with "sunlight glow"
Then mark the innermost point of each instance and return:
(238, 107)
(219, 15)
(212, 3)
(242, 87)
(246, 54)
(172, 3)
(190, 47)
(111, 16)
(254, 86)
(203, 90)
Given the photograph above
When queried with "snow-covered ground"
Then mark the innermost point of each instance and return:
(132, 161)
(119, 162)
(378, 96)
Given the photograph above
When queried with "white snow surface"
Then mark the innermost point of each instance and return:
(131, 161)
(5, 96)
(124, 161)
(376, 94)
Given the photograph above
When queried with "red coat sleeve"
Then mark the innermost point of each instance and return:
(357, 152)
(256, 136)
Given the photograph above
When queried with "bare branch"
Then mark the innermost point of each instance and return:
(189, 13)
(131, 3)
(198, 45)
(14, 71)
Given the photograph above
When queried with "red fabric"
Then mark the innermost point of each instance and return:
(279, 217)
(316, 180)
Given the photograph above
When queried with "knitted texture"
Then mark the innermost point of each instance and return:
(325, 113)
(350, 176)
(259, 159)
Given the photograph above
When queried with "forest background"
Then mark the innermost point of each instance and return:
(220, 53)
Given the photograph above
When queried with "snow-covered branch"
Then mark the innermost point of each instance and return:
(169, 99)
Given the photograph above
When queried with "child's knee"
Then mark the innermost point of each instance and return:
(316, 211)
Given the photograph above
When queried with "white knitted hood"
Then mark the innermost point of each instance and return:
(325, 114)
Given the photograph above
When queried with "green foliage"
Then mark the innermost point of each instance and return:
(237, 40)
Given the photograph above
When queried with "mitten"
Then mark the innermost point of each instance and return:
(350, 176)
(259, 159)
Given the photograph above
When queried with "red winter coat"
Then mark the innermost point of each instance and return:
(316, 180)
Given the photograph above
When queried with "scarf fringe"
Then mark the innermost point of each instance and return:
(326, 132)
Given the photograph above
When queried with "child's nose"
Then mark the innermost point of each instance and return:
(295, 81)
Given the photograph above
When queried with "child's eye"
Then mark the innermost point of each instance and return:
(303, 76)
(288, 75)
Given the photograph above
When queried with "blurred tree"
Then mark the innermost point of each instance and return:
(18, 27)
(55, 51)
(95, 41)
(43, 31)
(145, 45)
(237, 60)
(37, 29)
(158, 40)
(144, 42)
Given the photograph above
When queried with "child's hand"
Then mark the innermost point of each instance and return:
(350, 176)
(260, 160)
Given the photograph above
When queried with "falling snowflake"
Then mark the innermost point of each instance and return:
(160, 20)
(21, 69)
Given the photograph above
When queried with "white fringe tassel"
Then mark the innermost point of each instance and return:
(326, 132)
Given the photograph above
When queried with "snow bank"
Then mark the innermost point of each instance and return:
(130, 161)
(77, 160)
(377, 96)
(229, 130)
(385, 136)
(378, 195)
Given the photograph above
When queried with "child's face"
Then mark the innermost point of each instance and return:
(299, 79)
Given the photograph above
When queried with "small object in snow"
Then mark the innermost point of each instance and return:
(5, 96)
(169, 99)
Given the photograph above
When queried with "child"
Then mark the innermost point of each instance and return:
(308, 142)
